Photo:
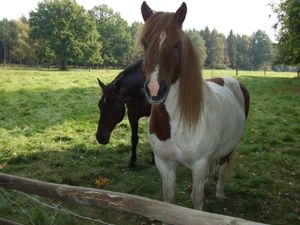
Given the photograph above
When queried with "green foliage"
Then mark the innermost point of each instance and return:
(232, 49)
(199, 44)
(288, 13)
(8, 36)
(215, 48)
(114, 34)
(261, 50)
(23, 48)
(47, 124)
(243, 59)
(65, 33)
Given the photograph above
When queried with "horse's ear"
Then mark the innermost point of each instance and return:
(101, 84)
(146, 11)
(180, 14)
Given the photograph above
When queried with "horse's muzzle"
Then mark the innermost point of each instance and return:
(103, 138)
(161, 95)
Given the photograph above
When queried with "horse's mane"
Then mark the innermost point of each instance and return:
(190, 76)
(131, 70)
(190, 89)
(134, 67)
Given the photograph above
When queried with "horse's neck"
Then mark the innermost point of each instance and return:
(171, 102)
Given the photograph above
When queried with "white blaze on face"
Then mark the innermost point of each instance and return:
(162, 38)
(153, 83)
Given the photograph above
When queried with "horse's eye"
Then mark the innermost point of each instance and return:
(177, 45)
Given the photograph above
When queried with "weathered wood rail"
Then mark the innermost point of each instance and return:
(153, 209)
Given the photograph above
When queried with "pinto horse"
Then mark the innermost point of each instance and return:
(192, 121)
(125, 90)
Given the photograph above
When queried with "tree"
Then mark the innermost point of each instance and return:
(199, 44)
(215, 48)
(137, 50)
(65, 33)
(8, 35)
(114, 34)
(216, 53)
(261, 50)
(232, 49)
(288, 14)
(205, 34)
(22, 48)
(243, 53)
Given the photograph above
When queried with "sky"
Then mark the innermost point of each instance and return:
(242, 16)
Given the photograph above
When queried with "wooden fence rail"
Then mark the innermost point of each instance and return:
(153, 209)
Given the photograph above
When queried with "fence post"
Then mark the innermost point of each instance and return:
(153, 209)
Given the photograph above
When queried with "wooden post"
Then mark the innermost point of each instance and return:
(8, 222)
(153, 209)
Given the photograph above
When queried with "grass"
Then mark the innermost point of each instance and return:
(47, 124)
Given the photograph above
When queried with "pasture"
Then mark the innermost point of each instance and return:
(48, 121)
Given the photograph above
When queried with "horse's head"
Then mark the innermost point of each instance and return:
(112, 110)
(162, 39)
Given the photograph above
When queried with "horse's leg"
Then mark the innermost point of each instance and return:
(134, 123)
(210, 176)
(225, 168)
(168, 174)
(199, 170)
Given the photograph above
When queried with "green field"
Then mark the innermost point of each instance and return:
(48, 121)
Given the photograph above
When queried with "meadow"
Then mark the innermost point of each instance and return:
(48, 121)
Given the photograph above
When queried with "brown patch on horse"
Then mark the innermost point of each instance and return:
(159, 122)
(183, 65)
(246, 99)
(217, 80)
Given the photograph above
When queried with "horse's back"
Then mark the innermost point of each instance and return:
(230, 91)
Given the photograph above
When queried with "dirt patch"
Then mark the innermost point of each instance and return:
(295, 89)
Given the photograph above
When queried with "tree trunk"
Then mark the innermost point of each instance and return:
(298, 72)
(4, 52)
(63, 65)
(236, 72)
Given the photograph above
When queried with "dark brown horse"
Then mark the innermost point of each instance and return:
(126, 90)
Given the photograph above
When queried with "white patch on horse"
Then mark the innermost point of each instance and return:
(153, 84)
(162, 38)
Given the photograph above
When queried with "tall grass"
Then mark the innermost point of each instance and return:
(47, 124)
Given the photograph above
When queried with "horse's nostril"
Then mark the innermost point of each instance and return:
(163, 86)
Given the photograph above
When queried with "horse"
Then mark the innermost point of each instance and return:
(125, 90)
(193, 121)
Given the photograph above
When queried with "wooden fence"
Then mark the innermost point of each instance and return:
(153, 209)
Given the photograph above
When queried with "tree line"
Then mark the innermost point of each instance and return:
(61, 32)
